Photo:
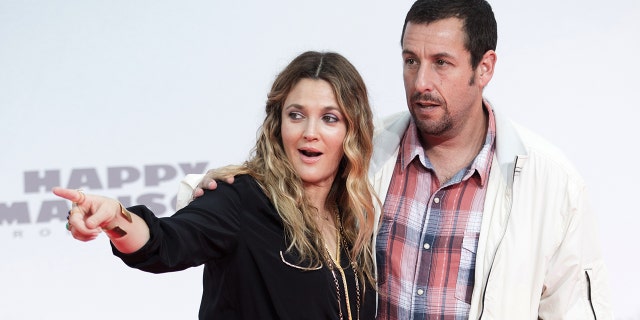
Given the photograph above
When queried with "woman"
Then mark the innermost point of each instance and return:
(290, 238)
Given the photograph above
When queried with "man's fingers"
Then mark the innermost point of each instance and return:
(209, 180)
(197, 192)
(209, 183)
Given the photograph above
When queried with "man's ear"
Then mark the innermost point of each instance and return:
(486, 67)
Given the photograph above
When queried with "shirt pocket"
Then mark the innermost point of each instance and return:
(466, 269)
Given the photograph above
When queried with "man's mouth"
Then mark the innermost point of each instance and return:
(426, 100)
(426, 104)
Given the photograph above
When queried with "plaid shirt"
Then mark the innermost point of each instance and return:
(426, 246)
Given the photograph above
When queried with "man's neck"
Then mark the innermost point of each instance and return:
(452, 152)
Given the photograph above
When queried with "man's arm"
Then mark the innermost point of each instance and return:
(576, 285)
(186, 190)
(193, 185)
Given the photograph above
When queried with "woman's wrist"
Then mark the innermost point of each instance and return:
(115, 229)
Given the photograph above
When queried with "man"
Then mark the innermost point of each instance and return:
(481, 218)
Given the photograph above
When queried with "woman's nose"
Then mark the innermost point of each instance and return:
(310, 131)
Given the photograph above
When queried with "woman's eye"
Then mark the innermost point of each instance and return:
(295, 115)
(330, 118)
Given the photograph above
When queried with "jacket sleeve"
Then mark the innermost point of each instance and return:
(576, 283)
(187, 185)
(205, 230)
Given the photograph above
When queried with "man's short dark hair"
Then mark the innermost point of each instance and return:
(477, 17)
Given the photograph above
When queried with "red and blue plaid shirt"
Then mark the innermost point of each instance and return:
(427, 242)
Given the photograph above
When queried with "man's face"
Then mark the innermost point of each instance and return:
(442, 90)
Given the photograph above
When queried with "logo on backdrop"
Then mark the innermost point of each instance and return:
(43, 213)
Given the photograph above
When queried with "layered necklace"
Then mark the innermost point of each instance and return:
(334, 264)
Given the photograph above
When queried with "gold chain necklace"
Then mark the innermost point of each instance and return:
(336, 265)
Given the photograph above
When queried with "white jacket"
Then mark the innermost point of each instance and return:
(538, 254)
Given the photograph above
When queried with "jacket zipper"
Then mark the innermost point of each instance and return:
(586, 273)
(516, 170)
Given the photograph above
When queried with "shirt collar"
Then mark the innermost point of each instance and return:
(411, 148)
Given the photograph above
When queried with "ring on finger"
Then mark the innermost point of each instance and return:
(82, 197)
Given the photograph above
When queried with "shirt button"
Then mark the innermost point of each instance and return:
(426, 246)
(436, 200)
(420, 292)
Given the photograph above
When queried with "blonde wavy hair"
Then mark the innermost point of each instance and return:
(351, 192)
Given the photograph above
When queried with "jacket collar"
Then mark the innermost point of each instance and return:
(389, 131)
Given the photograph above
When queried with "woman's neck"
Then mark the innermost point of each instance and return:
(326, 216)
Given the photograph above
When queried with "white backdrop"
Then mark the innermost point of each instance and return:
(125, 97)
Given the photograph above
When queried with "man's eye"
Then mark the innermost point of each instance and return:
(441, 62)
(410, 61)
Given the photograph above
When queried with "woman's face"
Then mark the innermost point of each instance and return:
(313, 130)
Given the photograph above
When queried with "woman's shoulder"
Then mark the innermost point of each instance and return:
(241, 182)
(243, 188)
